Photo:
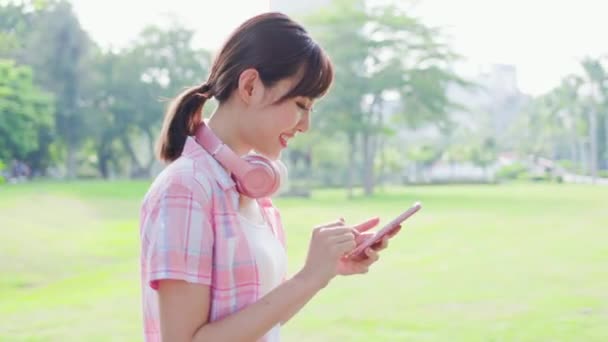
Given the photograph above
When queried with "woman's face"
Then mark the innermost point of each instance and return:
(269, 126)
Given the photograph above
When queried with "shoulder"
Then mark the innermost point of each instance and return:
(185, 177)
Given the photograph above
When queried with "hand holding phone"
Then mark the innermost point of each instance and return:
(386, 230)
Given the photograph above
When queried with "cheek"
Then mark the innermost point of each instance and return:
(286, 117)
(273, 121)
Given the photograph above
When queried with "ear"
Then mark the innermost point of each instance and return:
(250, 87)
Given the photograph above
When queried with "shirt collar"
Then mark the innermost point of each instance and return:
(196, 152)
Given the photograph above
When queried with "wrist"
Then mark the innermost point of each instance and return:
(309, 281)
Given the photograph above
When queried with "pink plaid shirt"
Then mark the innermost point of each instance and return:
(189, 230)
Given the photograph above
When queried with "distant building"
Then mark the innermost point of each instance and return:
(494, 105)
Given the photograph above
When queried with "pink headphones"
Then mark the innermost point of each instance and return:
(255, 176)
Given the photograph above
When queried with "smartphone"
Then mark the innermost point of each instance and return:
(386, 230)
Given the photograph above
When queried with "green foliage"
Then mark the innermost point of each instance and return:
(108, 103)
(376, 52)
(26, 112)
(512, 172)
(387, 63)
(392, 72)
(125, 90)
(14, 22)
(485, 153)
(424, 154)
(2, 167)
(558, 124)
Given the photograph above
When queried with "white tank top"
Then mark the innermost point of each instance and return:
(271, 260)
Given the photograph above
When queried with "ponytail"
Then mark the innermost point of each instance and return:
(179, 122)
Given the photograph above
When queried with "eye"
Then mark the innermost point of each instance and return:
(303, 107)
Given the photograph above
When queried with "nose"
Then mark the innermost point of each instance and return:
(304, 123)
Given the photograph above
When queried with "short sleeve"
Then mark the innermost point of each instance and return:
(178, 237)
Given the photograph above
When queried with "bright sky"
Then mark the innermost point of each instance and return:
(544, 39)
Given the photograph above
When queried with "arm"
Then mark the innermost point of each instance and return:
(184, 287)
(184, 309)
(287, 315)
(356, 267)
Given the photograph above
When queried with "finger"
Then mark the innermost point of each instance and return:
(394, 232)
(335, 223)
(367, 261)
(367, 225)
(358, 258)
(362, 237)
(383, 244)
(338, 239)
(334, 231)
(345, 247)
(362, 270)
(380, 245)
(372, 256)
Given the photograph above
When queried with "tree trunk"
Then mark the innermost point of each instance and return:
(369, 154)
(368, 171)
(370, 145)
(151, 144)
(605, 156)
(573, 150)
(382, 177)
(583, 156)
(138, 170)
(308, 167)
(352, 164)
(379, 148)
(71, 161)
(593, 141)
(103, 163)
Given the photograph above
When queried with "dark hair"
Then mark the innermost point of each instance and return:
(274, 45)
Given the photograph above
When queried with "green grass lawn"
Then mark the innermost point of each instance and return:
(478, 263)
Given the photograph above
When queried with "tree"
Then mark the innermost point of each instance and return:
(565, 123)
(56, 47)
(423, 156)
(594, 81)
(26, 116)
(164, 62)
(125, 92)
(384, 59)
(484, 153)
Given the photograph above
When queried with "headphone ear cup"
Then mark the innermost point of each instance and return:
(262, 179)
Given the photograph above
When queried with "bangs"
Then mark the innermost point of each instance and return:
(317, 76)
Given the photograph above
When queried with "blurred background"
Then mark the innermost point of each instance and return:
(494, 114)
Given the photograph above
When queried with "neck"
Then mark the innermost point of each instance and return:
(224, 124)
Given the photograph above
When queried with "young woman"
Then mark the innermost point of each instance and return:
(213, 260)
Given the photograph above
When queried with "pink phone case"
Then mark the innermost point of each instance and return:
(387, 229)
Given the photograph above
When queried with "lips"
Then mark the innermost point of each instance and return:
(284, 138)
